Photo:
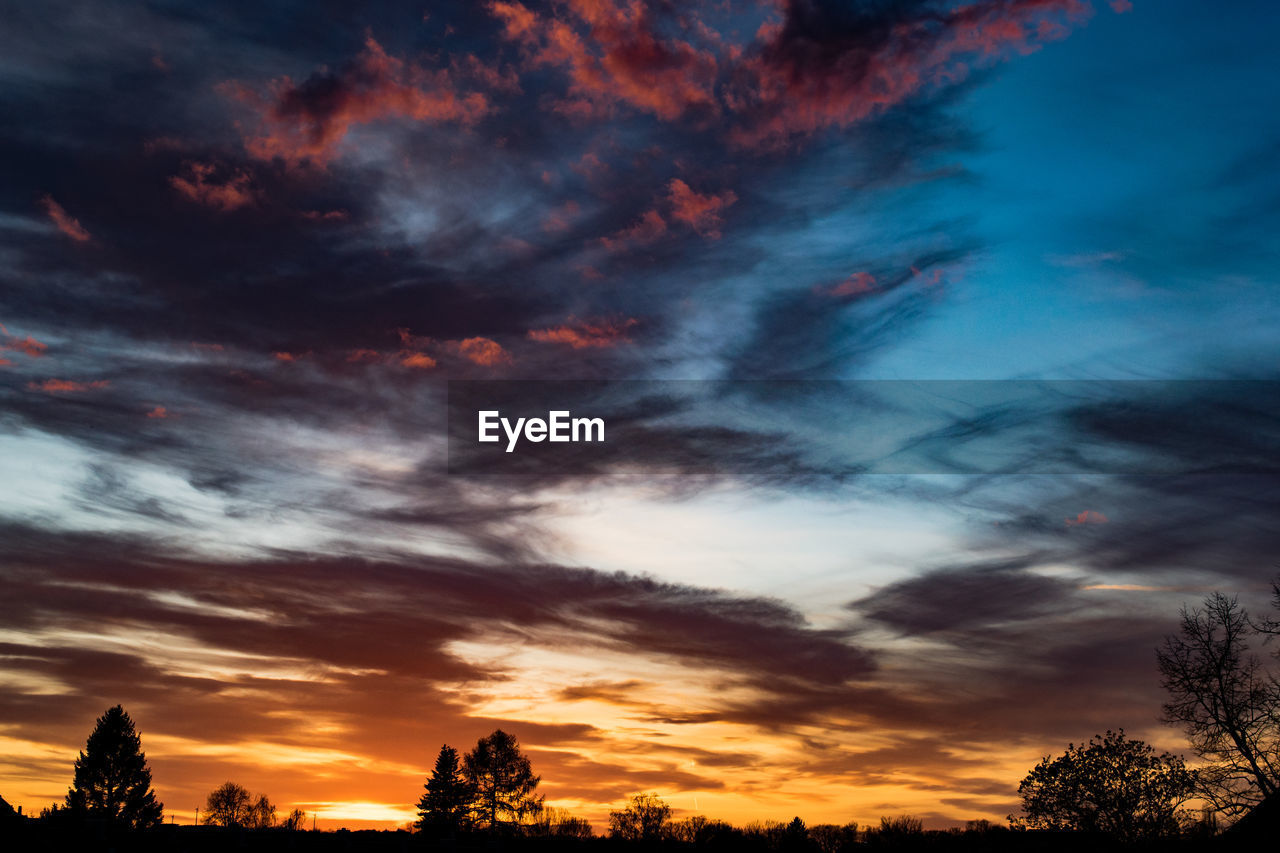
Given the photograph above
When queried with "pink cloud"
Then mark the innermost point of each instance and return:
(613, 53)
(858, 284)
(308, 121)
(66, 386)
(199, 185)
(417, 359)
(483, 351)
(702, 213)
(589, 334)
(28, 346)
(782, 89)
(649, 227)
(64, 222)
(326, 215)
(1088, 516)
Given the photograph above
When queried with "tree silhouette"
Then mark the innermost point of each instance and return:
(112, 780)
(555, 822)
(503, 782)
(1112, 785)
(227, 805)
(1226, 703)
(445, 806)
(262, 814)
(231, 805)
(646, 818)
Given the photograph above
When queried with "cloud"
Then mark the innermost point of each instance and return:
(831, 66)
(968, 597)
(28, 345)
(67, 386)
(586, 334)
(308, 121)
(1088, 516)
(613, 53)
(702, 213)
(199, 186)
(648, 228)
(64, 222)
(858, 284)
(483, 351)
(417, 359)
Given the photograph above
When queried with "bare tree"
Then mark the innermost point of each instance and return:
(227, 805)
(646, 818)
(1225, 701)
(262, 814)
(556, 822)
(231, 805)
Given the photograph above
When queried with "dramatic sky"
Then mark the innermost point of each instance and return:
(245, 245)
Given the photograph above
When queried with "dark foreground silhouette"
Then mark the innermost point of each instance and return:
(20, 834)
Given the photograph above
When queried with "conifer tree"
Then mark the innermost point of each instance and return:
(112, 779)
(445, 806)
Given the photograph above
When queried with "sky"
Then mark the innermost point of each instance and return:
(1008, 266)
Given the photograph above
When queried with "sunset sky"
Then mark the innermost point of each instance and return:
(245, 245)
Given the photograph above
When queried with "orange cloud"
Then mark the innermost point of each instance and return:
(158, 412)
(417, 359)
(620, 57)
(364, 356)
(411, 340)
(785, 89)
(483, 351)
(1087, 517)
(29, 346)
(326, 215)
(858, 284)
(702, 213)
(288, 357)
(648, 228)
(561, 218)
(595, 334)
(307, 122)
(66, 386)
(197, 186)
(64, 221)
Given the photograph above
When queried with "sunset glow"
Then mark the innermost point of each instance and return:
(252, 256)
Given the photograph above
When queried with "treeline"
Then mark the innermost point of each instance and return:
(1110, 792)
